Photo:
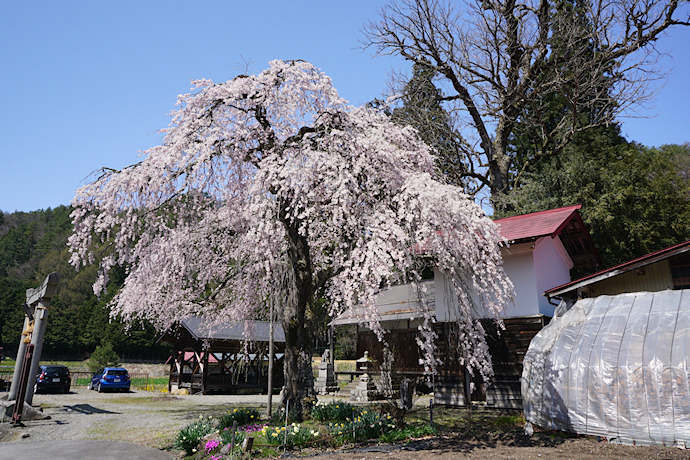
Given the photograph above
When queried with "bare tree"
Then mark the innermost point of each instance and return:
(503, 62)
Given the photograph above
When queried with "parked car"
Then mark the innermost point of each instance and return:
(52, 378)
(110, 378)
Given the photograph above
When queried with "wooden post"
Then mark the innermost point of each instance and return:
(18, 363)
(204, 370)
(41, 320)
(232, 439)
(271, 357)
(22, 385)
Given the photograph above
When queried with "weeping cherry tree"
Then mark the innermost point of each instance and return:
(270, 188)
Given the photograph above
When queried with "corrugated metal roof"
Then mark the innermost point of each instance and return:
(258, 330)
(536, 224)
(395, 303)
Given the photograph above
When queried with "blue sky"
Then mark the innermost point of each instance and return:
(87, 84)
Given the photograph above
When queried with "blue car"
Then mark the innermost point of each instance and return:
(110, 378)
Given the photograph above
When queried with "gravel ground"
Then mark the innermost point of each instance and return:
(153, 419)
(140, 417)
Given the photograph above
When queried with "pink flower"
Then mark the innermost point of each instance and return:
(211, 445)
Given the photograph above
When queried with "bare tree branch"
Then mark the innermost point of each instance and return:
(503, 61)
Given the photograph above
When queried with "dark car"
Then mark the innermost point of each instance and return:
(110, 378)
(53, 378)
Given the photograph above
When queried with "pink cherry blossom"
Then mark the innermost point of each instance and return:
(270, 188)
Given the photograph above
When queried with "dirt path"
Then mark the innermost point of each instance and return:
(450, 447)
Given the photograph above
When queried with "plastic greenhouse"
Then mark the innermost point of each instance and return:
(616, 367)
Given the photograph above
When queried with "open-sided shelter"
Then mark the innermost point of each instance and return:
(224, 360)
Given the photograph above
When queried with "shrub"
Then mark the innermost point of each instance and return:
(189, 437)
(334, 411)
(241, 416)
(297, 435)
(226, 435)
(278, 417)
(103, 356)
(367, 425)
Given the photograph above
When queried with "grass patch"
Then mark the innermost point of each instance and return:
(408, 433)
(512, 420)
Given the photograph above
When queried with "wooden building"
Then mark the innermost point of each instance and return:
(543, 247)
(667, 269)
(223, 360)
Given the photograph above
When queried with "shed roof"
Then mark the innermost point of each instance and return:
(564, 223)
(394, 303)
(634, 264)
(258, 330)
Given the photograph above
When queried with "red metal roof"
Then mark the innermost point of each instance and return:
(536, 224)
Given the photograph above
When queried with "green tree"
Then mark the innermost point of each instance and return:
(420, 107)
(33, 244)
(103, 356)
(635, 199)
(552, 120)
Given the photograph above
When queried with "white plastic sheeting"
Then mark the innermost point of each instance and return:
(616, 367)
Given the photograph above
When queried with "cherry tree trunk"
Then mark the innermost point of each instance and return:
(299, 377)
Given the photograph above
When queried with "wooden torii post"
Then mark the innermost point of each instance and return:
(36, 309)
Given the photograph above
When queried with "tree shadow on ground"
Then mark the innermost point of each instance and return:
(86, 409)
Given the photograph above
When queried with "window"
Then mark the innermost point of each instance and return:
(680, 271)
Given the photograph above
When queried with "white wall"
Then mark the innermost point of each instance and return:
(518, 264)
(552, 266)
(532, 267)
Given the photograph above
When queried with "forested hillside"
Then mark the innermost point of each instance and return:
(34, 244)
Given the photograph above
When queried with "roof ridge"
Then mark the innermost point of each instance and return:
(546, 211)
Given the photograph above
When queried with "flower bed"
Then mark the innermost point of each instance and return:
(330, 425)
